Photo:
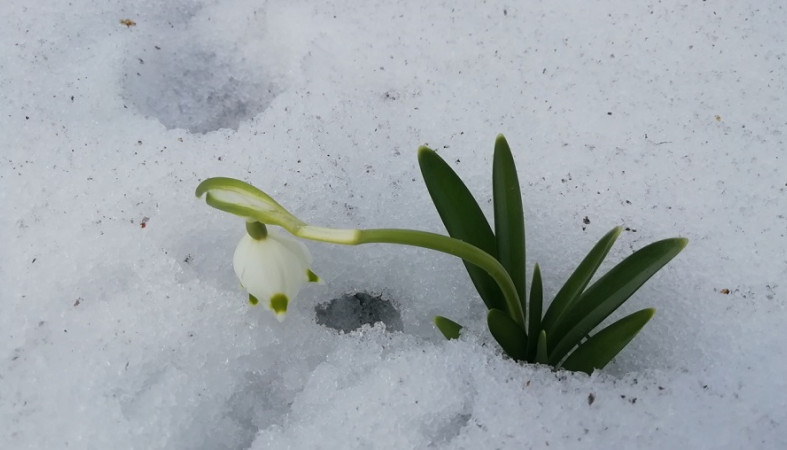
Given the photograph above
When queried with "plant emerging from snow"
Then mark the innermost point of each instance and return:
(272, 267)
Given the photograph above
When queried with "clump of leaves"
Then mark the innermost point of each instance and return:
(563, 336)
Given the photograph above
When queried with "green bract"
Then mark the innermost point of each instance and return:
(495, 260)
(562, 336)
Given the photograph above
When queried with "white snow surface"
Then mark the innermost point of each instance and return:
(123, 325)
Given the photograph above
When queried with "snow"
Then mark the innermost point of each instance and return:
(123, 325)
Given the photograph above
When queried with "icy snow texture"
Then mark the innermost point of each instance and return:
(124, 326)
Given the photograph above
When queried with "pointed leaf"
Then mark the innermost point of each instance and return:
(463, 219)
(534, 326)
(508, 334)
(599, 350)
(541, 352)
(448, 327)
(609, 292)
(509, 218)
(578, 280)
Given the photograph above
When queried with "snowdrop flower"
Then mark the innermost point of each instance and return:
(272, 267)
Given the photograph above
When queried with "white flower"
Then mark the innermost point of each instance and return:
(273, 269)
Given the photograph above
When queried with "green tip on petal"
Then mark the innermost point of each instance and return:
(312, 277)
(253, 300)
(278, 304)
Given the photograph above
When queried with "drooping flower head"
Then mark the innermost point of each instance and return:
(272, 267)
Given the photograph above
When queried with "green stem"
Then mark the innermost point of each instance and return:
(424, 239)
(461, 249)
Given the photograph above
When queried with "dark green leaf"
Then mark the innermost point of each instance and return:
(463, 219)
(599, 350)
(448, 327)
(536, 299)
(577, 282)
(508, 334)
(609, 292)
(509, 218)
(541, 352)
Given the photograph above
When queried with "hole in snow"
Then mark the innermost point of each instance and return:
(352, 311)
